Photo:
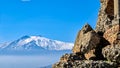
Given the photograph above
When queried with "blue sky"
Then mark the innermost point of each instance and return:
(55, 19)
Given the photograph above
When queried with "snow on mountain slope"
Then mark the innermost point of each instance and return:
(3, 45)
(38, 42)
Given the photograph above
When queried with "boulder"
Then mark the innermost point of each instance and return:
(89, 43)
(87, 40)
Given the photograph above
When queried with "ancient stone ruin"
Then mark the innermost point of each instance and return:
(99, 48)
(108, 15)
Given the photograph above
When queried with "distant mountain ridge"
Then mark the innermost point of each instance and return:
(36, 43)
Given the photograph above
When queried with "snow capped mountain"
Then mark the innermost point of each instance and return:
(37, 42)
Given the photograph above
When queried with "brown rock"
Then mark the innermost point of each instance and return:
(96, 54)
(85, 64)
(112, 34)
(86, 43)
(99, 48)
(87, 40)
(90, 54)
(105, 17)
(112, 52)
(71, 57)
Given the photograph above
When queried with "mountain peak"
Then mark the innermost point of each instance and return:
(25, 37)
(40, 42)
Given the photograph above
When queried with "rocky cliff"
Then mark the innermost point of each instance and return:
(99, 48)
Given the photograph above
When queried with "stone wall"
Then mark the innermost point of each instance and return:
(106, 16)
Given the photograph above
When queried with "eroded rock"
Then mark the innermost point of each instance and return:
(99, 48)
(112, 34)
(112, 52)
(89, 43)
(86, 64)
(71, 57)
(87, 40)
(106, 16)
(90, 55)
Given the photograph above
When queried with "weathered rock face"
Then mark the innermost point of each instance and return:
(112, 34)
(86, 43)
(99, 48)
(85, 64)
(106, 16)
(90, 54)
(87, 40)
(112, 52)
